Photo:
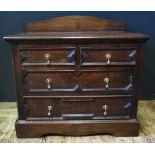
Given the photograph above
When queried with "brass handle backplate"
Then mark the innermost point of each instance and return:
(48, 58)
(49, 110)
(105, 107)
(106, 81)
(49, 82)
(108, 57)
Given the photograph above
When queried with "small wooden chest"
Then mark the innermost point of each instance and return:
(77, 75)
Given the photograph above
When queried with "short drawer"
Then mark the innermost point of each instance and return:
(78, 108)
(103, 57)
(37, 57)
(84, 81)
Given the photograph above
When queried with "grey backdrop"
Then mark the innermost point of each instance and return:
(14, 22)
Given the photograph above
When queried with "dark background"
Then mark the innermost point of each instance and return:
(14, 22)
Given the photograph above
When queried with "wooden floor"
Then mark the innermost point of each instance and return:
(146, 115)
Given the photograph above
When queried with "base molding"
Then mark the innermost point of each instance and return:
(118, 128)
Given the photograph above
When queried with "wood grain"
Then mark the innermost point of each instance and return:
(79, 107)
(78, 36)
(76, 23)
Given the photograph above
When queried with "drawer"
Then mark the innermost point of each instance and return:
(84, 81)
(101, 57)
(36, 57)
(78, 108)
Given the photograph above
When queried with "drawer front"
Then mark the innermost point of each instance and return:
(86, 81)
(102, 57)
(78, 108)
(36, 57)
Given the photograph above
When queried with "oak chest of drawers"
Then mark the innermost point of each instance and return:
(77, 75)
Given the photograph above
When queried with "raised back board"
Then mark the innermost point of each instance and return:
(74, 24)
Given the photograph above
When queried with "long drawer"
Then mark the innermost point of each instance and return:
(78, 108)
(83, 81)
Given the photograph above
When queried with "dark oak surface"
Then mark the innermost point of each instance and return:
(78, 82)
(83, 103)
(64, 56)
(75, 23)
(120, 128)
(117, 107)
(78, 35)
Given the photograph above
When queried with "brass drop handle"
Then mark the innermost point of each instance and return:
(49, 110)
(108, 57)
(49, 82)
(105, 107)
(48, 58)
(106, 81)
